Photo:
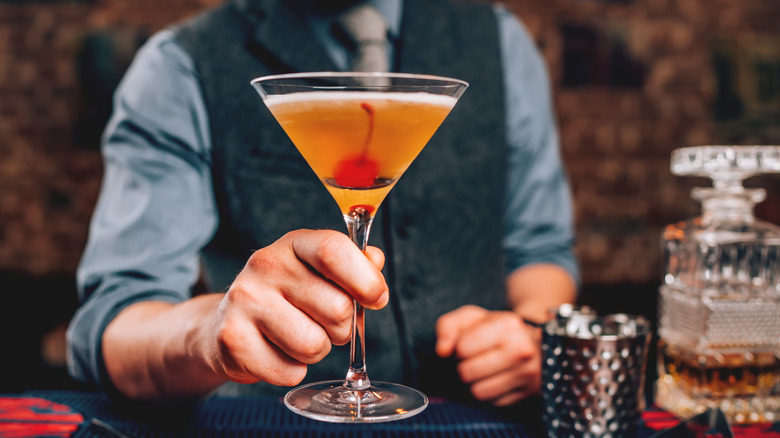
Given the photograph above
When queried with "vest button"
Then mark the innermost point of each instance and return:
(402, 226)
(409, 286)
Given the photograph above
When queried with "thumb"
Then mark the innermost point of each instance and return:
(451, 326)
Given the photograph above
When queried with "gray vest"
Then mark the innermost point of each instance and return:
(440, 226)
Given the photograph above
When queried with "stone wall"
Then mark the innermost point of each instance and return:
(633, 79)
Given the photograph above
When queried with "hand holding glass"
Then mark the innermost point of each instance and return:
(359, 132)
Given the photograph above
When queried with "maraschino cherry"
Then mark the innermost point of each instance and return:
(359, 171)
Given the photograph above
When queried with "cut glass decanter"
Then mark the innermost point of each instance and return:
(719, 305)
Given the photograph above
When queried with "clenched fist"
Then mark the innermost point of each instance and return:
(499, 355)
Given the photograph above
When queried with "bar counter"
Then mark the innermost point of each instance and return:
(80, 413)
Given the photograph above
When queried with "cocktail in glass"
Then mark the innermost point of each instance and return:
(358, 132)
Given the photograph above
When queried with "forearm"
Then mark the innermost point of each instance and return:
(535, 289)
(156, 350)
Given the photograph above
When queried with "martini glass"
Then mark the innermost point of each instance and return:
(358, 132)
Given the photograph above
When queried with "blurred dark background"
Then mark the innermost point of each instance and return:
(633, 80)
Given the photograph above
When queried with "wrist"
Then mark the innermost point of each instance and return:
(192, 358)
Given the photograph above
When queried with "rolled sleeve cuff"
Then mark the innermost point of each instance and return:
(85, 331)
(564, 259)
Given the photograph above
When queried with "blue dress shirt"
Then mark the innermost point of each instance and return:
(157, 209)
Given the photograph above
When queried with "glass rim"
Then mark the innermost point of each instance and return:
(356, 74)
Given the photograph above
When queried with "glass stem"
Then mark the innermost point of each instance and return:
(358, 224)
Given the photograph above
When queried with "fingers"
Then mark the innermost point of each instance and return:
(243, 355)
(285, 297)
(499, 370)
(512, 350)
(451, 326)
(507, 387)
(500, 359)
(484, 365)
(296, 333)
(499, 378)
(323, 305)
(376, 256)
(292, 301)
(336, 258)
(318, 273)
(494, 330)
(515, 396)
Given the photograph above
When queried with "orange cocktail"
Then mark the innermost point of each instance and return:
(359, 144)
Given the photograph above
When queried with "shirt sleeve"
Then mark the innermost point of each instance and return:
(156, 208)
(538, 216)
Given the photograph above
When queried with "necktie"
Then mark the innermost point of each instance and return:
(365, 27)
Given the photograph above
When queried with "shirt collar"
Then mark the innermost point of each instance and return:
(391, 11)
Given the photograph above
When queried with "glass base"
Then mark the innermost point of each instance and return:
(331, 401)
(742, 409)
